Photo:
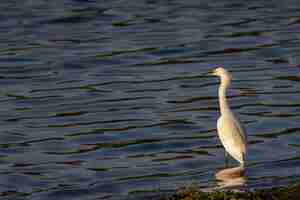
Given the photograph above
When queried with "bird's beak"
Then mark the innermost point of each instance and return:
(211, 72)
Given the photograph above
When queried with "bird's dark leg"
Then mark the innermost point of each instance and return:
(226, 159)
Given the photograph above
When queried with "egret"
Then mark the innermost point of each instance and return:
(230, 130)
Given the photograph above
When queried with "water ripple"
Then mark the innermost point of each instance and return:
(111, 101)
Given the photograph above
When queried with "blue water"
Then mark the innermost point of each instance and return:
(107, 99)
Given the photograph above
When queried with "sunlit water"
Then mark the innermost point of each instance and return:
(106, 99)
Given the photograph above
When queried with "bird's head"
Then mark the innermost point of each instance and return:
(222, 73)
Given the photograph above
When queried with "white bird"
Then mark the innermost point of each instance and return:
(230, 130)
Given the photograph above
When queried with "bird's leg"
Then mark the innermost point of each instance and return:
(226, 159)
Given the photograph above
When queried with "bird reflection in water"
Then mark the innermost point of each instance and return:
(231, 178)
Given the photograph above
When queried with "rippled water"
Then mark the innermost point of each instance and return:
(106, 99)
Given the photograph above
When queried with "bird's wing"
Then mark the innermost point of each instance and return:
(241, 130)
(240, 127)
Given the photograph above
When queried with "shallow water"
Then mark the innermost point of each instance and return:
(107, 99)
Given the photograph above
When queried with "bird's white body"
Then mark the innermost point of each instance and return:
(230, 130)
(233, 140)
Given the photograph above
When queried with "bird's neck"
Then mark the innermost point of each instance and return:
(224, 107)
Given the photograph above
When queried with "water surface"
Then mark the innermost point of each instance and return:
(107, 99)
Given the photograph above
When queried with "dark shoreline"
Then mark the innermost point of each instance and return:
(291, 192)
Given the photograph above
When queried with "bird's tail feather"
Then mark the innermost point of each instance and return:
(243, 163)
